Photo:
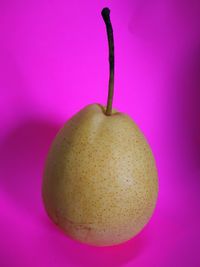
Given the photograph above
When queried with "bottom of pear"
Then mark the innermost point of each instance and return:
(89, 234)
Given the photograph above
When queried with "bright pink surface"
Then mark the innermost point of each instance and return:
(54, 61)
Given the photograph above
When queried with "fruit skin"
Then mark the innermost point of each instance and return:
(100, 181)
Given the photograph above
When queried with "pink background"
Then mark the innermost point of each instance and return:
(54, 61)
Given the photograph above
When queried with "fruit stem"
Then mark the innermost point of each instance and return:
(106, 17)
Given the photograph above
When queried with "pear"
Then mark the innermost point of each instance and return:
(100, 181)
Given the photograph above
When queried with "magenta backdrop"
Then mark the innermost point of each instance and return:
(53, 62)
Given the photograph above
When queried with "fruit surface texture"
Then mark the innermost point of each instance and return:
(100, 181)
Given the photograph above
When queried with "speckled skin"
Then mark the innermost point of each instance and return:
(100, 182)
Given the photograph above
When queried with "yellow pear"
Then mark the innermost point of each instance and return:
(100, 181)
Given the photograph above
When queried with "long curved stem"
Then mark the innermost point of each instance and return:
(106, 17)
